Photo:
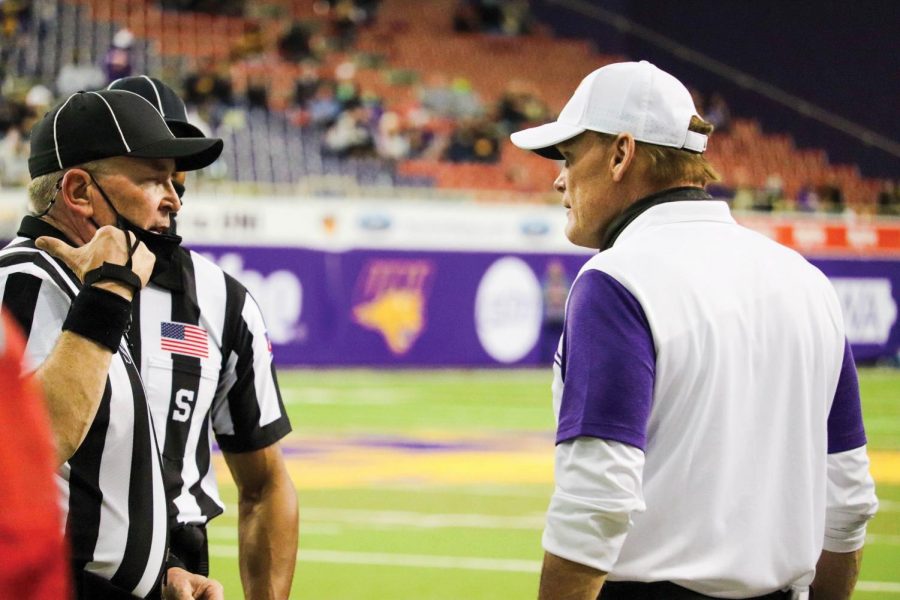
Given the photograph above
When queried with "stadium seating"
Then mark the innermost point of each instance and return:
(409, 37)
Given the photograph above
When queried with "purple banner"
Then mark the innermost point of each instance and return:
(468, 309)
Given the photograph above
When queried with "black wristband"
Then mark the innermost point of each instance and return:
(112, 272)
(99, 315)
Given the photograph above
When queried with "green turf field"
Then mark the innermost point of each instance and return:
(432, 485)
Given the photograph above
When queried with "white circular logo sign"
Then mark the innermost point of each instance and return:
(508, 309)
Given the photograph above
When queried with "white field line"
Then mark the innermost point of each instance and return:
(421, 520)
(888, 587)
(878, 538)
(476, 490)
(424, 561)
(459, 562)
(414, 519)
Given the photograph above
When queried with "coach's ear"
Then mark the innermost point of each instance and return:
(622, 157)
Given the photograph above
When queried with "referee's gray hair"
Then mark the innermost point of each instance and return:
(42, 190)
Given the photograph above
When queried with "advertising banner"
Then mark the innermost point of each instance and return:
(373, 307)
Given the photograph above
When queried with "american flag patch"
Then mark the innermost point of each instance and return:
(182, 338)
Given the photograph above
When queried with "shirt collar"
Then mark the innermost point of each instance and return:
(34, 227)
(693, 204)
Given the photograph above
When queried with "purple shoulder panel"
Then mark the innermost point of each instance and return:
(608, 364)
(845, 423)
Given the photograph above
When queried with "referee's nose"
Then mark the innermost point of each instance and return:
(171, 202)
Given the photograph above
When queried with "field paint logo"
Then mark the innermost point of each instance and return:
(391, 297)
(279, 294)
(508, 310)
(869, 308)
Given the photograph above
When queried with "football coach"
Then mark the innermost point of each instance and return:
(709, 440)
(69, 279)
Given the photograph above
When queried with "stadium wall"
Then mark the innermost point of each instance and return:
(360, 283)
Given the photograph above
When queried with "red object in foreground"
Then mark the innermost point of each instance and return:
(33, 558)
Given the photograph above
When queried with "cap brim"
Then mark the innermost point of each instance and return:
(542, 140)
(190, 154)
(183, 129)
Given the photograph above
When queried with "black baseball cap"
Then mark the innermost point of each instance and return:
(90, 126)
(163, 98)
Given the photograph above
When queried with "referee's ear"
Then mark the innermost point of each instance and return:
(74, 192)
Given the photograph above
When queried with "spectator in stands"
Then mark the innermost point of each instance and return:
(324, 107)
(307, 83)
(14, 147)
(208, 86)
(508, 17)
(772, 195)
(234, 8)
(294, 46)
(889, 198)
(350, 135)
(77, 75)
(118, 60)
(14, 16)
(250, 44)
(435, 94)
(807, 199)
(718, 113)
(345, 17)
(475, 140)
(465, 17)
(831, 198)
(519, 106)
(257, 93)
(392, 141)
(744, 193)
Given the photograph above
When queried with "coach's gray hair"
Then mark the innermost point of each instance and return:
(42, 190)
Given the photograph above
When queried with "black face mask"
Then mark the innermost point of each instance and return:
(164, 246)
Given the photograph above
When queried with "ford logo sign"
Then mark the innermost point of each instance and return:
(375, 222)
(534, 228)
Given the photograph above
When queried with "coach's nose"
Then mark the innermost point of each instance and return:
(559, 184)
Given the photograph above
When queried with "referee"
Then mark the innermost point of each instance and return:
(69, 279)
(206, 362)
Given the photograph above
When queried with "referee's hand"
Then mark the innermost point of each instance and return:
(110, 244)
(181, 585)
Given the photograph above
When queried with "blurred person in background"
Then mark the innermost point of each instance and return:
(34, 563)
(710, 440)
(888, 202)
(77, 75)
(118, 60)
(203, 350)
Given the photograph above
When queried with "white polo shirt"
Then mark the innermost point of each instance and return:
(702, 383)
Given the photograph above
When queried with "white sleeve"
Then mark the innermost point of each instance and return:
(850, 500)
(598, 487)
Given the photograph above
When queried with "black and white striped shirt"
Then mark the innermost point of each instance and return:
(111, 490)
(206, 363)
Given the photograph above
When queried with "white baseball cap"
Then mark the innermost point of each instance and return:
(633, 97)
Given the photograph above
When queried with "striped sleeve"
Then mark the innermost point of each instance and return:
(33, 297)
(248, 412)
